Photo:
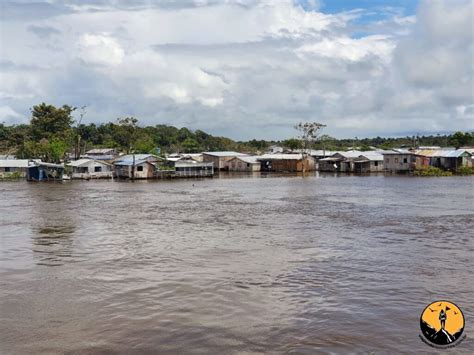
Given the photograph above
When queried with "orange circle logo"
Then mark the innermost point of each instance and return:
(442, 323)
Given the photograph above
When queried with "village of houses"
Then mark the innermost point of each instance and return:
(106, 163)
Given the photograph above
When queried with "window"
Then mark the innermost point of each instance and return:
(387, 160)
(140, 168)
(97, 169)
(396, 160)
(405, 160)
(376, 163)
(7, 169)
(248, 165)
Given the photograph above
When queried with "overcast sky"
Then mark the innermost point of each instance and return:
(244, 68)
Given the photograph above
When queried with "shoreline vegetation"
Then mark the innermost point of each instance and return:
(434, 171)
(55, 136)
(53, 132)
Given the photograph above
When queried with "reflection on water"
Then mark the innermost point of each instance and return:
(276, 264)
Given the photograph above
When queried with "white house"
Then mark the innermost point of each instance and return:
(13, 168)
(91, 169)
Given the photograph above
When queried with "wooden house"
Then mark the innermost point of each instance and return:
(136, 166)
(286, 162)
(243, 164)
(41, 171)
(340, 161)
(447, 159)
(369, 162)
(400, 160)
(220, 158)
(91, 169)
(13, 168)
(101, 154)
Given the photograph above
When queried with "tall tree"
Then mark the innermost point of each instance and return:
(126, 133)
(48, 121)
(309, 132)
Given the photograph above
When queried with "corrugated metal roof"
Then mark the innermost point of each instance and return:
(49, 165)
(372, 156)
(249, 159)
(130, 162)
(14, 163)
(100, 157)
(137, 157)
(100, 151)
(79, 162)
(398, 152)
(442, 153)
(85, 161)
(317, 152)
(453, 153)
(427, 152)
(225, 154)
(279, 157)
(188, 163)
(350, 153)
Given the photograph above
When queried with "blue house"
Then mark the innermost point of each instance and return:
(45, 172)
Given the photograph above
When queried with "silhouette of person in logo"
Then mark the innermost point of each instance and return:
(442, 318)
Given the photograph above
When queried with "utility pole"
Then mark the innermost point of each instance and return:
(133, 167)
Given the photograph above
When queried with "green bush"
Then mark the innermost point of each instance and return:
(12, 175)
(465, 170)
(432, 171)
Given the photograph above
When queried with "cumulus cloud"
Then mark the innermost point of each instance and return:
(100, 49)
(243, 68)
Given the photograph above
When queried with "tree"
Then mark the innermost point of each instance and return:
(126, 133)
(145, 145)
(309, 133)
(190, 145)
(460, 139)
(292, 144)
(48, 121)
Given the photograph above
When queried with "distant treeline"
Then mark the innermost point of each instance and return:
(53, 132)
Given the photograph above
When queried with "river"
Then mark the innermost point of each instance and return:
(321, 264)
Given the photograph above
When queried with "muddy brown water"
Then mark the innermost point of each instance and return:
(322, 264)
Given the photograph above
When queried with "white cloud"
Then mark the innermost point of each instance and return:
(10, 116)
(245, 68)
(100, 49)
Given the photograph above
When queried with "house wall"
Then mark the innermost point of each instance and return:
(122, 171)
(328, 166)
(90, 167)
(371, 166)
(191, 171)
(146, 173)
(238, 165)
(41, 173)
(290, 165)
(376, 166)
(451, 163)
(5, 172)
(401, 162)
(219, 162)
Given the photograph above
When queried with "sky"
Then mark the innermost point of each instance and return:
(244, 68)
